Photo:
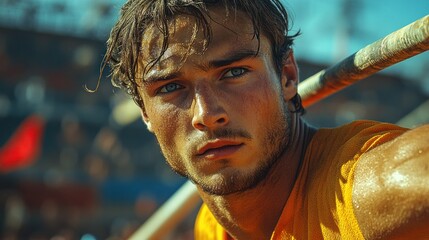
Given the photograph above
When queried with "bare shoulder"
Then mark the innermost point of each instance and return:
(391, 187)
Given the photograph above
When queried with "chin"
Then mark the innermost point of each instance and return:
(229, 182)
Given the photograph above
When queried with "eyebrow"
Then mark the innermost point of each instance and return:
(160, 77)
(230, 58)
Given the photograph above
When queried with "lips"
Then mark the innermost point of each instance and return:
(219, 149)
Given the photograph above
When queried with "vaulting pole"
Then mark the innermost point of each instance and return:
(395, 47)
(172, 212)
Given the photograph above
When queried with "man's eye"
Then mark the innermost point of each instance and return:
(235, 72)
(170, 87)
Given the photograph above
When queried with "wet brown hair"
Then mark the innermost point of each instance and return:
(124, 44)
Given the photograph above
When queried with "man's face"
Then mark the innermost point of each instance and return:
(219, 115)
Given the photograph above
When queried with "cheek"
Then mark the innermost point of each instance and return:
(168, 124)
(260, 100)
(164, 123)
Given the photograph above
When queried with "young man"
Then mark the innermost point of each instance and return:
(217, 85)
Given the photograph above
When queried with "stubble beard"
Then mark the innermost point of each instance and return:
(236, 181)
(276, 142)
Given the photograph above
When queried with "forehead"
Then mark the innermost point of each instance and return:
(186, 38)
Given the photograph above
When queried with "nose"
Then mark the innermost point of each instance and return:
(208, 112)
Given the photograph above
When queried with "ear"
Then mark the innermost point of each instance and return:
(146, 120)
(289, 77)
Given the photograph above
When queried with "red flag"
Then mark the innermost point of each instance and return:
(24, 145)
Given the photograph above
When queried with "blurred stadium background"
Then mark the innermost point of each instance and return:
(79, 165)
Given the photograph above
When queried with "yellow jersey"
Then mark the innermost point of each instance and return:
(320, 204)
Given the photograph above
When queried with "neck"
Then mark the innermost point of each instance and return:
(253, 214)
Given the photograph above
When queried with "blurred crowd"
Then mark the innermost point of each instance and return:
(83, 184)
